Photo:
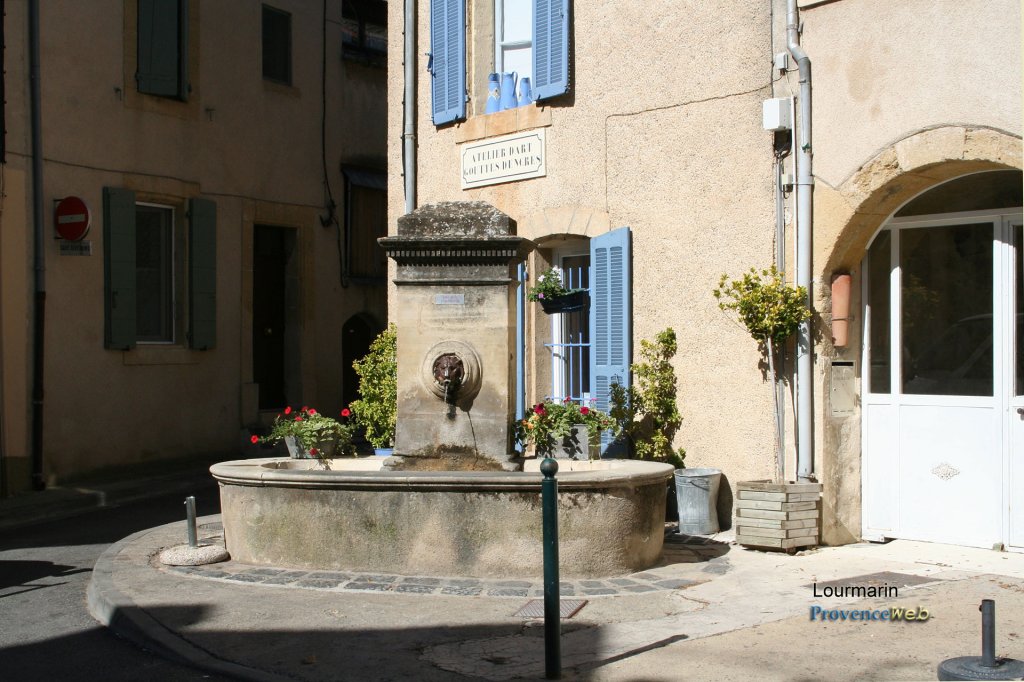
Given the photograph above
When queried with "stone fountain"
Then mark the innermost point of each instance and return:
(452, 502)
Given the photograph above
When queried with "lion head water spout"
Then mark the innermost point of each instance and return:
(453, 309)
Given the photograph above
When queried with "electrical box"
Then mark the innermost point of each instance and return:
(778, 114)
(781, 61)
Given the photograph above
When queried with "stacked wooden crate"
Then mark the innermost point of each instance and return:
(781, 515)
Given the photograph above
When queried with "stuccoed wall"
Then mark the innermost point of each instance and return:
(905, 96)
(252, 146)
(661, 132)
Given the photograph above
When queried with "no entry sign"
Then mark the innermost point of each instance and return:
(71, 219)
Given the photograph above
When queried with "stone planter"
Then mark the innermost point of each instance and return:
(573, 445)
(297, 451)
(778, 515)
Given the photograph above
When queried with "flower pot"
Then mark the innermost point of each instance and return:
(297, 451)
(573, 445)
(383, 452)
(571, 302)
(777, 515)
(697, 500)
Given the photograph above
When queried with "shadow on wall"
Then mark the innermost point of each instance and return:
(725, 498)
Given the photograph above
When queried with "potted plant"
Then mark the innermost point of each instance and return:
(563, 429)
(648, 415)
(771, 513)
(376, 408)
(554, 297)
(309, 434)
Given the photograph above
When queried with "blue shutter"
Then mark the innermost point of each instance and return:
(162, 47)
(610, 322)
(119, 268)
(202, 268)
(448, 60)
(550, 48)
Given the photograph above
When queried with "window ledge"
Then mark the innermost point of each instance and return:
(160, 355)
(503, 123)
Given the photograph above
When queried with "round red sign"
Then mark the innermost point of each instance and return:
(71, 219)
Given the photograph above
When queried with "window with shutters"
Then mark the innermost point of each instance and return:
(529, 37)
(160, 271)
(162, 48)
(588, 350)
(277, 45)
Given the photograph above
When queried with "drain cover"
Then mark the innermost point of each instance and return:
(567, 608)
(880, 581)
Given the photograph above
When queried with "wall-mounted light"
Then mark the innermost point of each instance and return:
(840, 309)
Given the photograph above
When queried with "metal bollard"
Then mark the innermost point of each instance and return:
(552, 615)
(190, 524)
(988, 633)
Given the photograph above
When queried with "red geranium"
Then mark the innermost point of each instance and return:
(313, 451)
(288, 410)
(346, 412)
(254, 439)
(539, 409)
(312, 411)
(584, 410)
(298, 419)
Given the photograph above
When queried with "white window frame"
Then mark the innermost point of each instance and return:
(173, 266)
(500, 44)
(560, 363)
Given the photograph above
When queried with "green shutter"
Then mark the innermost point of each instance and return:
(611, 320)
(202, 269)
(119, 268)
(162, 48)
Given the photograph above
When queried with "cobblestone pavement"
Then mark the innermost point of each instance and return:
(704, 555)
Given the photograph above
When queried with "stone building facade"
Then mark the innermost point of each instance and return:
(655, 123)
(208, 141)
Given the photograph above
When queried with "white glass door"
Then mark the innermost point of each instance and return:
(939, 307)
(1014, 474)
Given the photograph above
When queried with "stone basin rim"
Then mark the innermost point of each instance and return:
(619, 474)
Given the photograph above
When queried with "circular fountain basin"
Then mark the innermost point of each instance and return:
(359, 517)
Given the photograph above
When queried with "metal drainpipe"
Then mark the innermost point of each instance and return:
(39, 242)
(409, 108)
(804, 223)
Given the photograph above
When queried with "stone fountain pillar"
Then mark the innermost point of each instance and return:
(455, 313)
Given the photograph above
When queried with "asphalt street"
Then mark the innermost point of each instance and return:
(46, 632)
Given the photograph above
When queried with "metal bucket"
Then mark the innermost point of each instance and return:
(697, 499)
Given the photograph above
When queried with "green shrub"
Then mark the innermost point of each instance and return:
(378, 389)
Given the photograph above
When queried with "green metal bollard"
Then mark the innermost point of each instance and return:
(552, 617)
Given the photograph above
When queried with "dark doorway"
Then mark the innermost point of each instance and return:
(272, 289)
(357, 335)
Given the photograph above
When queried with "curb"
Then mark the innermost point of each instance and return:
(115, 610)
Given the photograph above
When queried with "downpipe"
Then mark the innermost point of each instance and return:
(409, 108)
(39, 243)
(804, 231)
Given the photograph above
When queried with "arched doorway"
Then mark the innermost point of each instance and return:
(358, 333)
(943, 393)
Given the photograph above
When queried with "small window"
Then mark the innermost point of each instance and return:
(277, 45)
(364, 31)
(162, 35)
(154, 273)
(366, 220)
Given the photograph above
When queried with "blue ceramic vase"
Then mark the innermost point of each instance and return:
(508, 91)
(525, 93)
(493, 95)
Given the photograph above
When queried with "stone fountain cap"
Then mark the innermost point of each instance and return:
(455, 220)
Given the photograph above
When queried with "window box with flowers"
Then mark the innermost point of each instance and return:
(309, 434)
(554, 297)
(563, 429)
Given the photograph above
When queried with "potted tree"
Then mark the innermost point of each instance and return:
(772, 513)
(375, 410)
(647, 415)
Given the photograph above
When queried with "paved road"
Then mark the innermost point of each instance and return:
(46, 632)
